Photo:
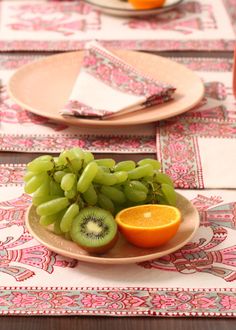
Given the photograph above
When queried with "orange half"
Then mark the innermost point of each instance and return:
(146, 4)
(149, 226)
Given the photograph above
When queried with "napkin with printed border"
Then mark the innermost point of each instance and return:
(107, 86)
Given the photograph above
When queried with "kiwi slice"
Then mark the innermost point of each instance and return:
(95, 230)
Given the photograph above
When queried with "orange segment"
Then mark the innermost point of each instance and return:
(146, 4)
(149, 225)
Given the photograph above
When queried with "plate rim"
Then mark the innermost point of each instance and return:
(101, 260)
(137, 11)
(119, 121)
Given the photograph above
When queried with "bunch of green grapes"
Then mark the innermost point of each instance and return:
(62, 186)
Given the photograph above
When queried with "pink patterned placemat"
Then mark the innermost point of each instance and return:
(68, 25)
(198, 280)
(197, 149)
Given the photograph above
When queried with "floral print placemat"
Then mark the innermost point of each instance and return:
(197, 280)
(68, 25)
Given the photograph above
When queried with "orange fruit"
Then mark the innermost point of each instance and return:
(146, 4)
(149, 226)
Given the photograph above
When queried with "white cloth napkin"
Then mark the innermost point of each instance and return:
(107, 86)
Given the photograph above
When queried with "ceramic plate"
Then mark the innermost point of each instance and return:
(124, 8)
(122, 252)
(44, 86)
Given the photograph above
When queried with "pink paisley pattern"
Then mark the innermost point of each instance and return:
(121, 76)
(38, 17)
(179, 19)
(15, 257)
(118, 302)
(21, 262)
(177, 141)
(14, 61)
(199, 256)
(26, 18)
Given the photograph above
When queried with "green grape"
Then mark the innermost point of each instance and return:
(57, 227)
(126, 165)
(134, 195)
(58, 175)
(106, 162)
(140, 172)
(121, 176)
(77, 153)
(64, 156)
(162, 178)
(105, 169)
(47, 220)
(53, 206)
(67, 181)
(72, 192)
(76, 164)
(87, 177)
(88, 157)
(68, 217)
(169, 193)
(114, 194)
(107, 179)
(37, 200)
(155, 164)
(28, 175)
(161, 200)
(38, 166)
(55, 189)
(56, 160)
(44, 157)
(43, 190)
(35, 182)
(105, 203)
(147, 179)
(137, 185)
(90, 195)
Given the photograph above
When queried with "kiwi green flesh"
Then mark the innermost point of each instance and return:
(94, 229)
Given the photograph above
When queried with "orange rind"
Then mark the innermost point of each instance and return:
(146, 4)
(149, 226)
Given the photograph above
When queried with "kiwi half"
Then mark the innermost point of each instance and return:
(95, 230)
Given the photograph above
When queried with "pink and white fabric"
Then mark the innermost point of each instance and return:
(197, 280)
(68, 25)
(107, 86)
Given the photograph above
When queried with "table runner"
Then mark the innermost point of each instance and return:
(197, 280)
(67, 25)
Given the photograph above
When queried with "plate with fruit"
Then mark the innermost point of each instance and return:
(134, 7)
(100, 211)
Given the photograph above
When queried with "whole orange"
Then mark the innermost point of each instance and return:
(146, 4)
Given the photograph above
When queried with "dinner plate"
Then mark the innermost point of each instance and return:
(123, 252)
(43, 87)
(124, 8)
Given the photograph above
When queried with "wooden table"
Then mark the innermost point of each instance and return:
(105, 323)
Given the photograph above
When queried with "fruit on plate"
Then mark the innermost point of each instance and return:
(149, 226)
(95, 230)
(146, 4)
(62, 187)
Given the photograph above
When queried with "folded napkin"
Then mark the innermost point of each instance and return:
(107, 86)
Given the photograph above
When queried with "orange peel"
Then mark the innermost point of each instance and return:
(146, 4)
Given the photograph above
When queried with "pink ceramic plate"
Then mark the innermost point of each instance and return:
(122, 252)
(44, 86)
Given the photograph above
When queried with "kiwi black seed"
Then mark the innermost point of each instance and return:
(94, 229)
